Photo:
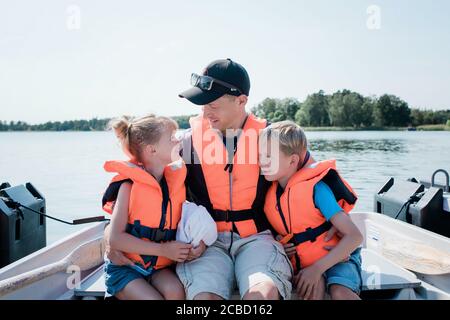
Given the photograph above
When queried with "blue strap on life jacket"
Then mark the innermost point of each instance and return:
(152, 234)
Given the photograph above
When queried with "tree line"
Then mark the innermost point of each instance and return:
(346, 108)
(73, 125)
(343, 108)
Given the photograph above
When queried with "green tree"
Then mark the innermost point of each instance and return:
(314, 111)
(266, 108)
(390, 110)
(346, 109)
(290, 107)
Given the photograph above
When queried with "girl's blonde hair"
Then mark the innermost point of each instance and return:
(136, 133)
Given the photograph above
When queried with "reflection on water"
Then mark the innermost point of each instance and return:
(67, 167)
(392, 145)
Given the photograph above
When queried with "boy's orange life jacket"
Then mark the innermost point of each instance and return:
(154, 209)
(299, 219)
(231, 180)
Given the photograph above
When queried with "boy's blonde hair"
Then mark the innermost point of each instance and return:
(136, 133)
(291, 137)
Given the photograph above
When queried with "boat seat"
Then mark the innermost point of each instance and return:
(378, 273)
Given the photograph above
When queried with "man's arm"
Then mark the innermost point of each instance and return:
(117, 257)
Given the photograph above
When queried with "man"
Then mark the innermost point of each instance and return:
(220, 152)
(221, 155)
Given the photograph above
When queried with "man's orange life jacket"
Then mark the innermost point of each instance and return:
(231, 177)
(154, 209)
(294, 214)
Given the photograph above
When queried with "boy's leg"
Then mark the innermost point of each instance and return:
(211, 276)
(262, 269)
(168, 284)
(338, 292)
(344, 279)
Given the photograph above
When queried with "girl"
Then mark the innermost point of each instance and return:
(145, 199)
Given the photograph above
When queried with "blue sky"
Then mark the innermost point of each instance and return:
(134, 57)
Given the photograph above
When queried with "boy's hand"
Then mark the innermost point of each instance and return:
(289, 248)
(308, 282)
(195, 253)
(176, 251)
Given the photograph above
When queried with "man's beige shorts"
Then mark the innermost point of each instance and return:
(243, 261)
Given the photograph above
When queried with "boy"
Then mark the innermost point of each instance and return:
(307, 199)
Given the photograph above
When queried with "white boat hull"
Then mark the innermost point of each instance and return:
(376, 228)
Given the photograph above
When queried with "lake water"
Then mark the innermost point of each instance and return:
(67, 167)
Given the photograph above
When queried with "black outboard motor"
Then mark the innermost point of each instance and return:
(21, 232)
(423, 203)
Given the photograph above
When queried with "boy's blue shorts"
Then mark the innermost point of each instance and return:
(347, 274)
(117, 277)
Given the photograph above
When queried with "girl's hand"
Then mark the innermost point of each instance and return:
(308, 282)
(195, 253)
(175, 250)
(289, 248)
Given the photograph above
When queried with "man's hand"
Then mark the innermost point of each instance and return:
(117, 257)
(330, 234)
(195, 253)
(289, 248)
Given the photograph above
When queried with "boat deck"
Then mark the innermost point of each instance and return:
(378, 274)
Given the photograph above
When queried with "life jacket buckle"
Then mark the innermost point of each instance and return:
(286, 238)
(160, 235)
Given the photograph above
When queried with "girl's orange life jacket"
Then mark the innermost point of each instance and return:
(154, 209)
(295, 216)
(231, 179)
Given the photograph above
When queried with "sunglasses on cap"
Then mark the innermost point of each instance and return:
(206, 83)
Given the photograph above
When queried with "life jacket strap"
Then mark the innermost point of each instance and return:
(232, 215)
(311, 234)
(152, 234)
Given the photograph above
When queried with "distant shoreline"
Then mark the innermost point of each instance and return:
(437, 127)
(432, 127)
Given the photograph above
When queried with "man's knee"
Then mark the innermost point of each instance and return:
(207, 296)
(263, 291)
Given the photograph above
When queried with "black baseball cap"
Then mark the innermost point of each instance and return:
(225, 70)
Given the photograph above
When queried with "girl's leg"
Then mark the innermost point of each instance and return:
(139, 289)
(168, 284)
(338, 292)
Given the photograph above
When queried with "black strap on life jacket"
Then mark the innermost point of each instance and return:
(152, 234)
(311, 234)
(112, 191)
(232, 215)
(279, 192)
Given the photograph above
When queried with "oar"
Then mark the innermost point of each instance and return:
(416, 256)
(86, 256)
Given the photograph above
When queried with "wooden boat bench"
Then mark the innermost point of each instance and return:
(378, 275)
